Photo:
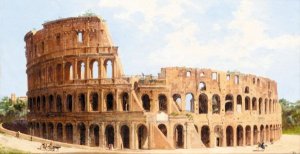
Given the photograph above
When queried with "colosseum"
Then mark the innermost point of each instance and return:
(79, 94)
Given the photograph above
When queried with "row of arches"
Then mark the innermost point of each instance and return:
(79, 104)
(93, 135)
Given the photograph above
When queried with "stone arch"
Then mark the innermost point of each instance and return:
(50, 101)
(163, 104)
(50, 131)
(69, 133)
(189, 102)
(95, 101)
(255, 135)
(81, 130)
(38, 103)
(125, 101)
(239, 135)
(229, 108)
(69, 103)
(260, 105)
(216, 105)
(108, 65)
(58, 104)
(81, 70)
(94, 69)
(248, 135)
(81, 102)
(205, 135)
(44, 130)
(109, 135)
(247, 103)
(163, 129)
(44, 103)
(254, 103)
(68, 71)
(229, 136)
(125, 135)
(146, 102)
(94, 134)
(178, 136)
(59, 129)
(218, 133)
(247, 90)
(202, 86)
(177, 100)
(59, 73)
(110, 102)
(203, 104)
(262, 134)
(239, 103)
(142, 136)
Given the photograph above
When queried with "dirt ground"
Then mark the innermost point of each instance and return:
(287, 144)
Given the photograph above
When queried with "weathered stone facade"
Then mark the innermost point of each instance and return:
(78, 93)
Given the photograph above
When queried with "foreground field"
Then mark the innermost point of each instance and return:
(287, 144)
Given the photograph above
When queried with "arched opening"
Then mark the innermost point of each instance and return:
(177, 100)
(125, 101)
(59, 132)
(94, 101)
(94, 135)
(260, 105)
(163, 129)
(229, 136)
(81, 70)
(247, 103)
(203, 104)
(254, 104)
(239, 135)
(68, 71)
(125, 136)
(202, 86)
(58, 104)
(109, 135)
(255, 135)
(69, 103)
(69, 133)
(163, 106)
(94, 69)
(247, 90)
(82, 102)
(178, 136)
(188, 74)
(59, 73)
(50, 101)
(248, 135)
(50, 75)
(38, 104)
(218, 130)
(81, 130)
(110, 102)
(239, 103)
(108, 69)
(216, 104)
(44, 131)
(205, 135)
(142, 137)
(43, 103)
(37, 129)
(189, 102)
(266, 106)
(50, 131)
(229, 104)
(262, 134)
(270, 106)
(146, 102)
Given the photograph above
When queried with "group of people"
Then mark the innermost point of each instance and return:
(49, 146)
(262, 145)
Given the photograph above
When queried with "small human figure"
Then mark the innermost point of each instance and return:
(18, 134)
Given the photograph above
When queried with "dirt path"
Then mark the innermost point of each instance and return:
(287, 144)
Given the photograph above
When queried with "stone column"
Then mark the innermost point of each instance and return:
(102, 101)
(234, 136)
(75, 74)
(87, 134)
(131, 137)
(75, 134)
(117, 135)
(102, 136)
(87, 69)
(212, 137)
(224, 137)
(244, 136)
(55, 131)
(116, 100)
(64, 137)
(88, 106)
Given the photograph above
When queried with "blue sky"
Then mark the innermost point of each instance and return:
(259, 37)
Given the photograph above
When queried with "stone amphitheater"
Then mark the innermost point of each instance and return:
(79, 94)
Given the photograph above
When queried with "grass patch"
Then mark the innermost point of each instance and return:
(294, 130)
(6, 150)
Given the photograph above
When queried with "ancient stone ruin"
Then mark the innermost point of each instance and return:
(78, 93)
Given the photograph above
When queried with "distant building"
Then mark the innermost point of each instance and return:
(14, 98)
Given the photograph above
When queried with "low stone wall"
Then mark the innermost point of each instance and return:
(38, 139)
